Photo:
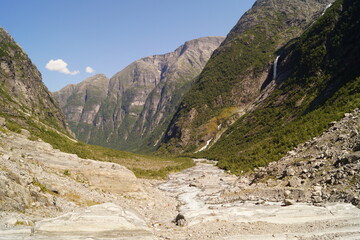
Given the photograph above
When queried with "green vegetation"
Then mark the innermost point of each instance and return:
(67, 172)
(13, 126)
(143, 166)
(324, 84)
(232, 77)
(40, 185)
(163, 172)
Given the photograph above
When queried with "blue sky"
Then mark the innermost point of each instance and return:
(107, 35)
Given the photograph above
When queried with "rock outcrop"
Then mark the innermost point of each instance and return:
(36, 176)
(132, 110)
(106, 220)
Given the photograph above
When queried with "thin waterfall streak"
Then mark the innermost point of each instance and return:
(275, 67)
(329, 5)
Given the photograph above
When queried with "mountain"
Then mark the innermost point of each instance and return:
(24, 99)
(317, 82)
(234, 76)
(132, 110)
(81, 102)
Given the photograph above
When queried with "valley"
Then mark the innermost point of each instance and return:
(74, 197)
(255, 135)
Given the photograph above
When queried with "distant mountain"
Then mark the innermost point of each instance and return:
(132, 110)
(317, 81)
(235, 75)
(25, 102)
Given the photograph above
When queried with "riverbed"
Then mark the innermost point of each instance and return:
(198, 191)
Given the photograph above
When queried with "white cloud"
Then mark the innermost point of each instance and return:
(60, 65)
(89, 70)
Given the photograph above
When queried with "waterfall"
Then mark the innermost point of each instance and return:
(275, 67)
(329, 5)
(204, 147)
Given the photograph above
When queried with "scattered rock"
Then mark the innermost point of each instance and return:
(194, 185)
(287, 193)
(331, 159)
(180, 220)
(289, 172)
(288, 202)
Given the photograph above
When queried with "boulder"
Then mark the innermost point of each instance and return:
(294, 182)
(289, 202)
(356, 147)
(180, 220)
(289, 172)
(317, 199)
(353, 157)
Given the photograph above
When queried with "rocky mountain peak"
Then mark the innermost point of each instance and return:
(124, 112)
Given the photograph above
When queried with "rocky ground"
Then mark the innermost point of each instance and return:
(312, 193)
(324, 169)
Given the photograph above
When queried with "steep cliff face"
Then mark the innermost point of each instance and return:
(23, 96)
(139, 101)
(80, 103)
(233, 78)
(318, 81)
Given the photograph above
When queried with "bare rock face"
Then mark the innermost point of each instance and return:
(103, 220)
(131, 110)
(81, 102)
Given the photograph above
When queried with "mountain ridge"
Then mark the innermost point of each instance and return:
(232, 79)
(139, 99)
(318, 82)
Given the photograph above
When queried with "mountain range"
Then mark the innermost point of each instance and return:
(131, 110)
(283, 73)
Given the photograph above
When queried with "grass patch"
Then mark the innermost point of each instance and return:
(40, 185)
(182, 163)
(67, 172)
(13, 126)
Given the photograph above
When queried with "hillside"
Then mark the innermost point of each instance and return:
(132, 110)
(28, 108)
(318, 82)
(24, 99)
(234, 76)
